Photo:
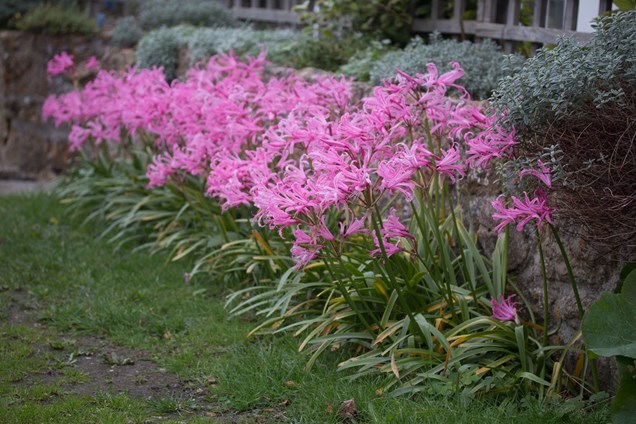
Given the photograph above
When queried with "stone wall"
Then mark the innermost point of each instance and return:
(30, 148)
(596, 269)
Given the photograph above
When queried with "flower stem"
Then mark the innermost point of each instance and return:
(566, 260)
(546, 307)
(577, 297)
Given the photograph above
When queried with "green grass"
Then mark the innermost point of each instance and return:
(74, 286)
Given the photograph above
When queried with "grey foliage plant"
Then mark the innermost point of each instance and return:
(484, 63)
(127, 32)
(207, 13)
(206, 42)
(159, 48)
(558, 81)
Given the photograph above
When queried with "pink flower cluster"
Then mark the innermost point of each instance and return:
(296, 149)
(504, 309)
(402, 135)
(59, 64)
(526, 209)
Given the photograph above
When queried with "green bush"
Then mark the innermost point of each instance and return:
(379, 19)
(127, 32)
(482, 62)
(10, 9)
(285, 47)
(325, 52)
(362, 62)
(208, 13)
(56, 19)
(160, 48)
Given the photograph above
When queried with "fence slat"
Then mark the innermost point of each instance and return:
(458, 9)
(487, 11)
(571, 10)
(435, 9)
(604, 6)
(267, 15)
(538, 14)
(482, 27)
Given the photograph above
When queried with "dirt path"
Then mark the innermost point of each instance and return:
(108, 368)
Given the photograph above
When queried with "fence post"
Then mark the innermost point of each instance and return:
(538, 18)
(435, 9)
(458, 14)
(512, 19)
(604, 6)
(571, 12)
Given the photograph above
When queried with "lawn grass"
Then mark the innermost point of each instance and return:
(73, 287)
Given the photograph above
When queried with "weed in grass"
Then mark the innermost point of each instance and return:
(113, 359)
(62, 344)
(71, 376)
(174, 405)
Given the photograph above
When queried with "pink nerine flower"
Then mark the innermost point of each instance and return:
(60, 63)
(543, 174)
(92, 63)
(522, 210)
(504, 309)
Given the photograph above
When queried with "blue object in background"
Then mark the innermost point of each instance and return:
(110, 4)
(101, 20)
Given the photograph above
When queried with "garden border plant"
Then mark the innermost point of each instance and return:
(452, 290)
(408, 295)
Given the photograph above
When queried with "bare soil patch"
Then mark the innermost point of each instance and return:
(104, 367)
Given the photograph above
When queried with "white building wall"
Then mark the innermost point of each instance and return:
(588, 10)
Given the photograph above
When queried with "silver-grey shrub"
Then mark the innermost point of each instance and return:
(207, 13)
(160, 48)
(206, 42)
(483, 63)
(559, 81)
(127, 32)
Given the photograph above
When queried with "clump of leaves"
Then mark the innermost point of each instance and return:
(484, 63)
(159, 48)
(609, 329)
(13, 9)
(127, 32)
(363, 61)
(56, 20)
(379, 19)
(158, 13)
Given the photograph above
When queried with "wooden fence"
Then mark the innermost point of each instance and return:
(495, 19)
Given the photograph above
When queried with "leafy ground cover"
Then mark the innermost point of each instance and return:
(89, 334)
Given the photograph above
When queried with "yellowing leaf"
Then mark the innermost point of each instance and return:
(394, 367)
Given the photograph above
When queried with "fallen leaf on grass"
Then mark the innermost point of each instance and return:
(329, 409)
